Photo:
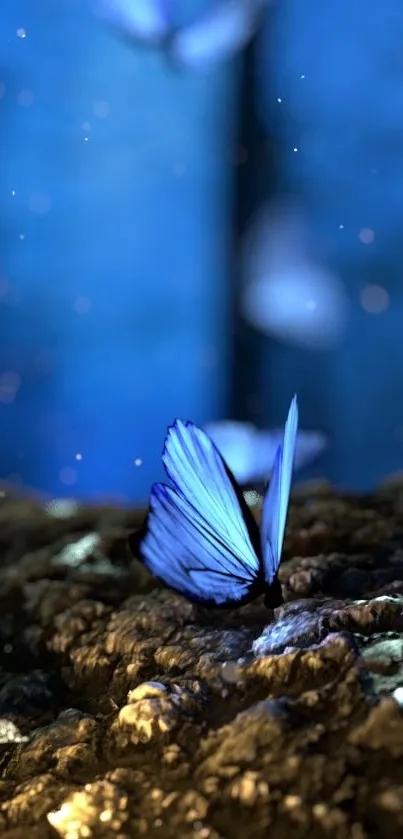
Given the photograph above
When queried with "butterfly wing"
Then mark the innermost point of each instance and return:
(275, 505)
(201, 538)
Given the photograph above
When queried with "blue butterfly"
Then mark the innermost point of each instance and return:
(200, 537)
(215, 36)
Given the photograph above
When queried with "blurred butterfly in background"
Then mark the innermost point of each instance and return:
(217, 35)
(214, 36)
(141, 21)
(200, 537)
(249, 452)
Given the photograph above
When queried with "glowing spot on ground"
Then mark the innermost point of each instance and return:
(68, 476)
(366, 236)
(374, 299)
(252, 498)
(62, 816)
(231, 672)
(79, 456)
(9, 733)
(398, 696)
(138, 461)
(61, 508)
(21, 32)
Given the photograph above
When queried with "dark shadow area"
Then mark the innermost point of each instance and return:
(255, 184)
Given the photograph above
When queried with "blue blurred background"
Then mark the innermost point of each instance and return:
(198, 242)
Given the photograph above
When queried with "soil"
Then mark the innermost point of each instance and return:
(126, 711)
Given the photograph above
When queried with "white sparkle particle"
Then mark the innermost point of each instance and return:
(279, 99)
(21, 33)
(138, 461)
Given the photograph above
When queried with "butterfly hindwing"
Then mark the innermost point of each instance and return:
(275, 505)
(200, 538)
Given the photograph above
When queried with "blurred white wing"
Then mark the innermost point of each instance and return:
(141, 20)
(250, 452)
(287, 292)
(224, 30)
(238, 443)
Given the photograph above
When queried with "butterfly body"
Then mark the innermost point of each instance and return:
(200, 537)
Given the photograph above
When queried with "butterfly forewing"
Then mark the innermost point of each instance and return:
(197, 539)
(275, 505)
(199, 474)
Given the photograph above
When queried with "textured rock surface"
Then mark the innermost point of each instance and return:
(127, 712)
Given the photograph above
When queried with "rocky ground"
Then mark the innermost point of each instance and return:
(127, 712)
